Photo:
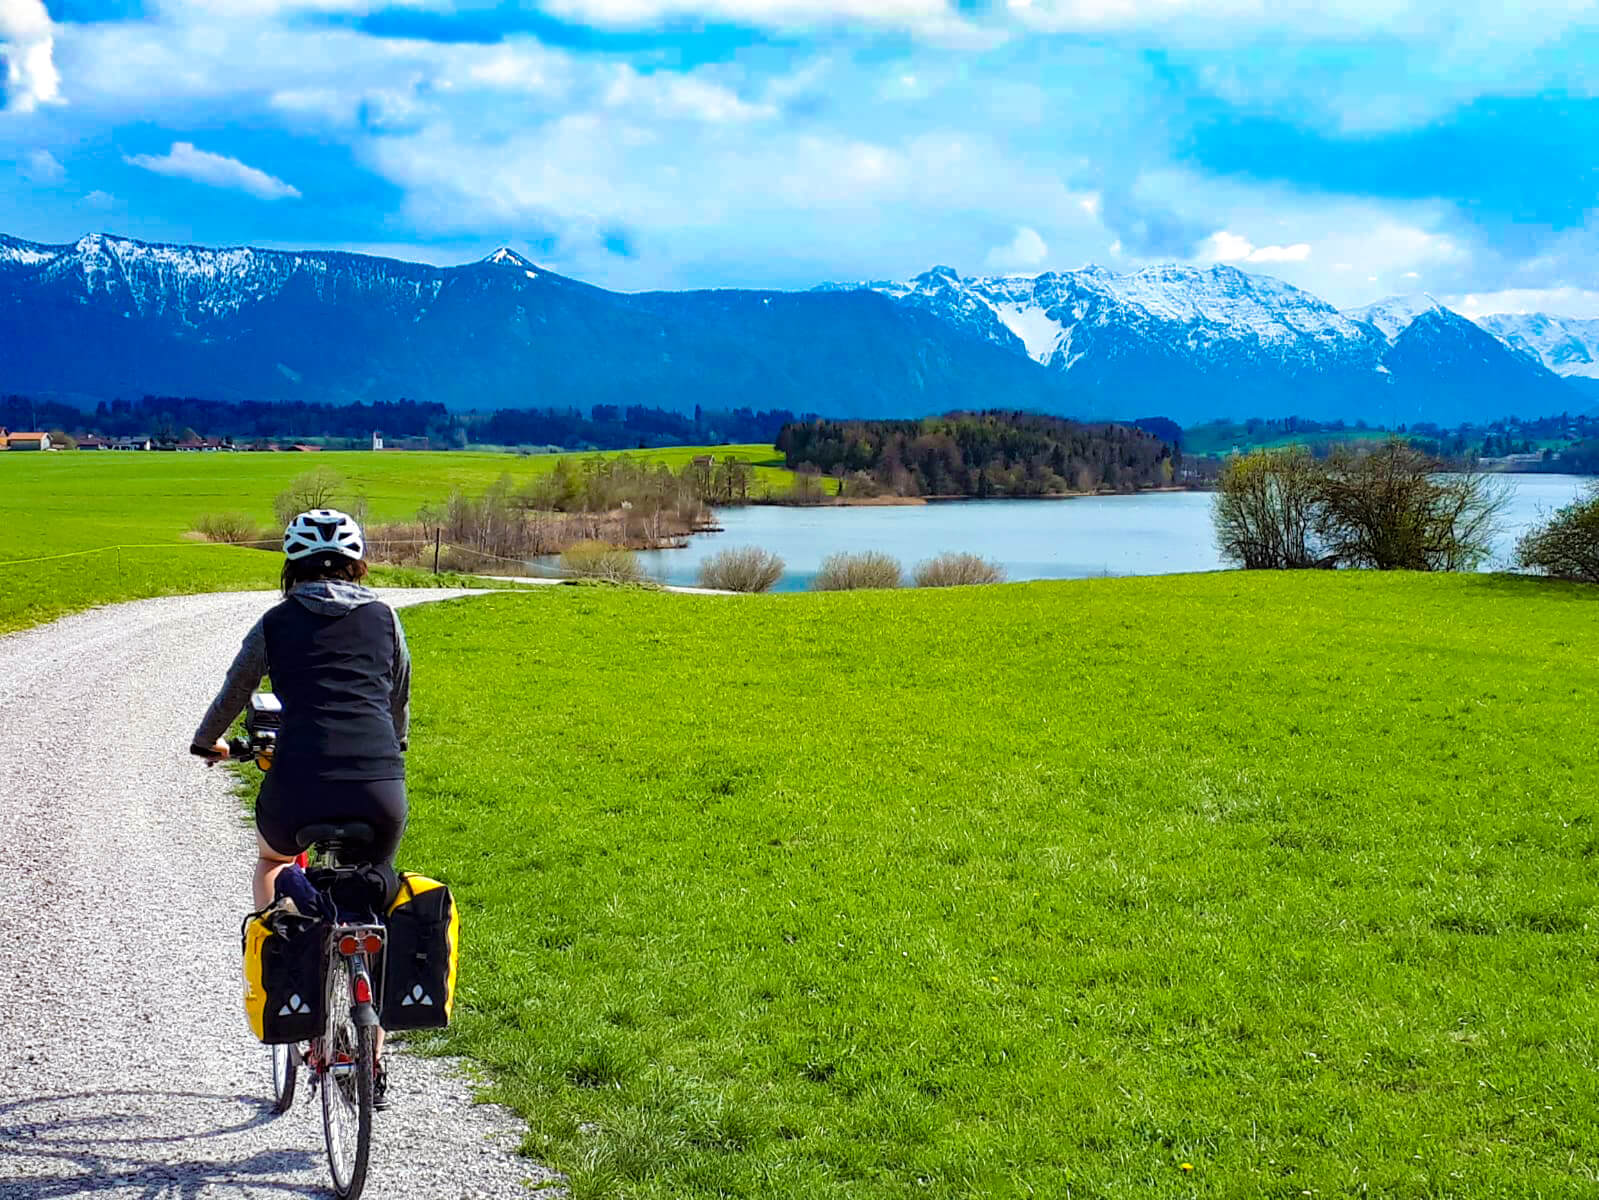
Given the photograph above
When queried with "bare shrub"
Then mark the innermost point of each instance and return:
(1567, 544)
(1265, 509)
(233, 528)
(847, 572)
(314, 489)
(1394, 510)
(958, 570)
(746, 569)
(601, 560)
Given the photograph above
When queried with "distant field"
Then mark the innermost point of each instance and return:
(1043, 890)
(1209, 439)
(58, 503)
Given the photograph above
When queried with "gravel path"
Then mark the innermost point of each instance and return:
(126, 1067)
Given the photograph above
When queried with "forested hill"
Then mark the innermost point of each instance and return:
(979, 454)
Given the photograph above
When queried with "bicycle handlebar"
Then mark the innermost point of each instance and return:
(239, 750)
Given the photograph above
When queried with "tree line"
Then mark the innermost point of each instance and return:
(978, 454)
(602, 427)
(1561, 442)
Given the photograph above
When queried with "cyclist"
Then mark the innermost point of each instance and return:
(340, 668)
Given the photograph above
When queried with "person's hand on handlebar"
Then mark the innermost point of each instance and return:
(212, 754)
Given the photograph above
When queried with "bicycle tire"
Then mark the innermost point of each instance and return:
(285, 1071)
(349, 1089)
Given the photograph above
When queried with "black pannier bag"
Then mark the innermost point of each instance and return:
(420, 955)
(285, 989)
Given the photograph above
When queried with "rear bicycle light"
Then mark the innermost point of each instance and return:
(370, 942)
(363, 990)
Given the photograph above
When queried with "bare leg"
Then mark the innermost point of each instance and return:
(267, 865)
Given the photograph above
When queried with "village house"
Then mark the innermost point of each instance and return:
(27, 441)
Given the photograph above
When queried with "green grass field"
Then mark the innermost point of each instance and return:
(1040, 890)
(67, 502)
(1223, 439)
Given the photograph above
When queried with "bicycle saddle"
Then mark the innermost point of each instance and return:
(349, 836)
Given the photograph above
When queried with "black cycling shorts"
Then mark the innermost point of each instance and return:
(286, 806)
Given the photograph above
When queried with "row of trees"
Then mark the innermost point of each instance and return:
(603, 426)
(1389, 508)
(979, 454)
(615, 427)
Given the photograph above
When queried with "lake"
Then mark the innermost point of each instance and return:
(1151, 534)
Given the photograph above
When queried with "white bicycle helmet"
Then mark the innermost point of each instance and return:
(323, 531)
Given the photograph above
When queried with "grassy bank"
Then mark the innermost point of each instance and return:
(59, 504)
(1042, 890)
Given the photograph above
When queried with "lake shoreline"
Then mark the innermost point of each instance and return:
(918, 501)
(1154, 531)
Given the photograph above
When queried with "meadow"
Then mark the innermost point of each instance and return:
(1221, 438)
(65, 503)
(1200, 886)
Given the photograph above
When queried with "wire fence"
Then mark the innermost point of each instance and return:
(525, 568)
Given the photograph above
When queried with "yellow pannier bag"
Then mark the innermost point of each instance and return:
(284, 992)
(420, 955)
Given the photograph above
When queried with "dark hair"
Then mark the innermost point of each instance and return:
(322, 566)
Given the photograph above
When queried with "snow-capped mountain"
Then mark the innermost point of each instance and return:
(1568, 346)
(1045, 314)
(1195, 343)
(1391, 317)
(107, 316)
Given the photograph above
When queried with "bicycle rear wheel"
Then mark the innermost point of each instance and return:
(285, 1070)
(347, 1063)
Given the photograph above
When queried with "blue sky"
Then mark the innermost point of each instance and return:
(1355, 148)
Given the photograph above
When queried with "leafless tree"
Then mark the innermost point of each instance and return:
(314, 489)
(1392, 509)
(1265, 509)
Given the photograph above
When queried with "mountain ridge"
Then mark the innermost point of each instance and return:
(1193, 342)
(1224, 339)
(242, 323)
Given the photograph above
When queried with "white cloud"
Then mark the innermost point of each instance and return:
(267, 9)
(1025, 252)
(99, 199)
(1228, 247)
(214, 170)
(40, 166)
(1336, 18)
(934, 20)
(1298, 252)
(664, 93)
(1559, 301)
(27, 45)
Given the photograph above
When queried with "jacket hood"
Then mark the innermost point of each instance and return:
(332, 597)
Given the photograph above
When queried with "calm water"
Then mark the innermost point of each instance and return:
(1032, 539)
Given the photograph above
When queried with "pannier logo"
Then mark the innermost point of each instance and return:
(295, 1005)
(416, 996)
